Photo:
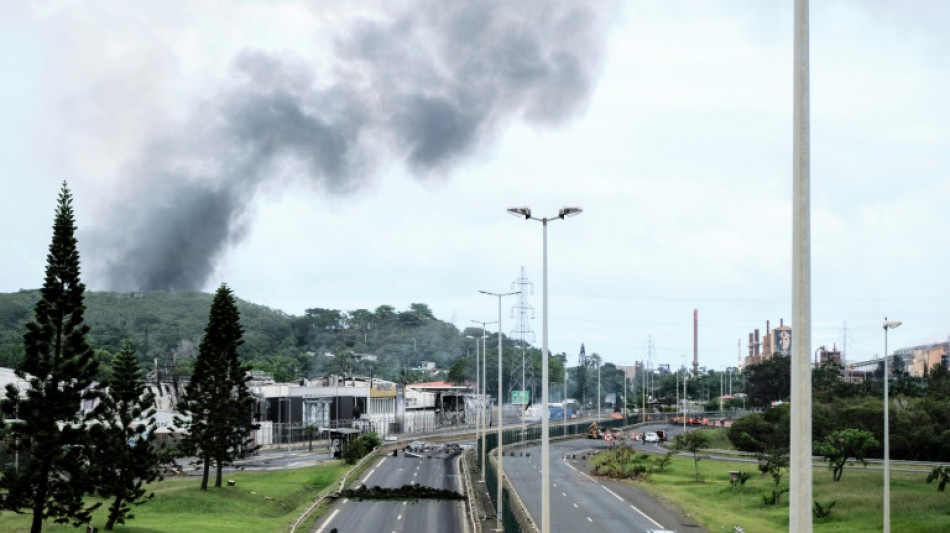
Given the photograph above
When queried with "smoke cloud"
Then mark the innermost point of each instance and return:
(422, 87)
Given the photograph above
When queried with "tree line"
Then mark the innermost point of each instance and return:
(166, 329)
(61, 452)
(919, 412)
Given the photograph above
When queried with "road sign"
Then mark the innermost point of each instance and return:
(520, 397)
(608, 437)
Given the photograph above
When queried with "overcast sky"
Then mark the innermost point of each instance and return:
(346, 156)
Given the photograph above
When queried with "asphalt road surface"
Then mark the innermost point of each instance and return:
(436, 468)
(581, 503)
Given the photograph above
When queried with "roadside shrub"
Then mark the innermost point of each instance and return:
(738, 485)
(662, 461)
(774, 497)
(623, 462)
(823, 511)
(359, 447)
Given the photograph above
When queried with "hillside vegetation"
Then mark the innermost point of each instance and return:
(166, 327)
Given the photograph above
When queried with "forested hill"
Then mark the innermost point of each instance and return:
(168, 326)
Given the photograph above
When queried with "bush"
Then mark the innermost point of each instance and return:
(749, 433)
(623, 462)
(359, 447)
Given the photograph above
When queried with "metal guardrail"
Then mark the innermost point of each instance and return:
(470, 493)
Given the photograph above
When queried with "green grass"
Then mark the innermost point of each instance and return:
(259, 501)
(916, 507)
(718, 439)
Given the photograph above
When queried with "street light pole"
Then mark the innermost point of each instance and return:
(545, 423)
(564, 401)
(501, 470)
(624, 394)
(478, 410)
(524, 388)
(800, 419)
(720, 393)
(685, 400)
(888, 324)
(482, 396)
(598, 390)
(643, 417)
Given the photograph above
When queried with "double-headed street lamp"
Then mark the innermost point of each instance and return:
(545, 423)
(888, 324)
(501, 471)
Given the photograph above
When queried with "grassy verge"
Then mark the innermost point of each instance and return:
(916, 507)
(259, 501)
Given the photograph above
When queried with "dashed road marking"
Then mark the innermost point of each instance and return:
(644, 515)
(330, 519)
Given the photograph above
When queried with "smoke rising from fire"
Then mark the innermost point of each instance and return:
(423, 87)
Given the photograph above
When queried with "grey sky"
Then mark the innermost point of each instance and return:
(313, 155)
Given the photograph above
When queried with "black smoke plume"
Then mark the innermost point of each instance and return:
(425, 86)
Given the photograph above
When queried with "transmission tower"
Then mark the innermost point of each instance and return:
(522, 312)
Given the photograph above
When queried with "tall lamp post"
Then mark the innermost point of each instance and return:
(625, 395)
(564, 212)
(888, 324)
(685, 400)
(482, 386)
(478, 410)
(563, 402)
(501, 470)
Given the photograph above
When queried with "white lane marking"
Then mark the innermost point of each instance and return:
(330, 519)
(612, 492)
(564, 494)
(404, 503)
(399, 517)
(575, 505)
(644, 515)
(369, 474)
(589, 520)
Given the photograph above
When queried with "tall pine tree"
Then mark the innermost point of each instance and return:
(48, 431)
(217, 398)
(126, 454)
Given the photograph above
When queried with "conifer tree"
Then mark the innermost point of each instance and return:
(48, 432)
(126, 454)
(217, 398)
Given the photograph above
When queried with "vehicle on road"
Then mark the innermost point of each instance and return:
(651, 437)
(594, 432)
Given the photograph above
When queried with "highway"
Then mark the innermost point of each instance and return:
(580, 503)
(433, 468)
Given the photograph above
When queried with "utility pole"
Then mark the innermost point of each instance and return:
(484, 394)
